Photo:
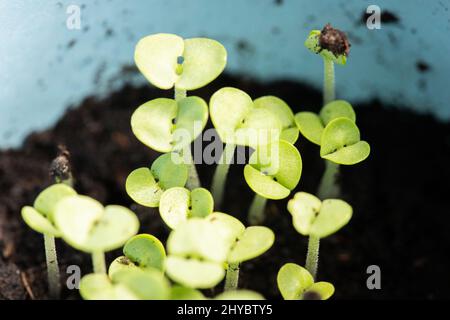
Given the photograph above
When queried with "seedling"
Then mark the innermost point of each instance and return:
(88, 226)
(284, 114)
(333, 46)
(240, 121)
(296, 283)
(146, 185)
(169, 61)
(272, 173)
(40, 218)
(340, 145)
(142, 251)
(129, 284)
(178, 204)
(166, 125)
(317, 219)
(200, 247)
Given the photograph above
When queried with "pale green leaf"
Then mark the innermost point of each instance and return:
(341, 143)
(183, 293)
(87, 226)
(321, 290)
(204, 61)
(145, 186)
(149, 284)
(178, 204)
(47, 200)
(310, 125)
(145, 251)
(156, 57)
(337, 109)
(293, 280)
(284, 114)
(304, 208)
(38, 222)
(333, 215)
(194, 273)
(239, 122)
(251, 244)
(274, 170)
(97, 286)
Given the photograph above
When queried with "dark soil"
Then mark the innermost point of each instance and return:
(401, 212)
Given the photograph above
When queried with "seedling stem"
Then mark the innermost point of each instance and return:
(220, 175)
(312, 257)
(193, 179)
(98, 260)
(328, 81)
(256, 213)
(232, 277)
(52, 266)
(328, 187)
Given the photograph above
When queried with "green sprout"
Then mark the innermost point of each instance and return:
(88, 226)
(272, 173)
(178, 292)
(317, 219)
(142, 251)
(146, 185)
(284, 114)
(335, 131)
(199, 248)
(178, 204)
(167, 125)
(158, 58)
(129, 284)
(41, 218)
(240, 121)
(169, 61)
(296, 283)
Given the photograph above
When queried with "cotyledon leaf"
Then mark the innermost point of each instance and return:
(238, 121)
(274, 170)
(146, 185)
(166, 125)
(88, 226)
(158, 58)
(341, 143)
(178, 204)
(284, 113)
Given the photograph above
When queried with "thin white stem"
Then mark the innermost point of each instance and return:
(193, 179)
(52, 266)
(256, 214)
(220, 175)
(312, 257)
(328, 81)
(329, 187)
(98, 262)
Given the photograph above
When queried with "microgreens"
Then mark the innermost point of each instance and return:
(178, 204)
(88, 226)
(146, 185)
(40, 218)
(129, 284)
(141, 251)
(296, 283)
(167, 61)
(200, 247)
(272, 173)
(240, 121)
